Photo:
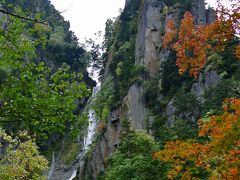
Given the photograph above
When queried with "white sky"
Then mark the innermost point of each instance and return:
(89, 16)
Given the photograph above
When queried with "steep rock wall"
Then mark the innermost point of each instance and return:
(153, 17)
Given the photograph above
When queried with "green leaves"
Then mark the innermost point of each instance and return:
(40, 102)
(104, 99)
(133, 159)
(34, 97)
(21, 158)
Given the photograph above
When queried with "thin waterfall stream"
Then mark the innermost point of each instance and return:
(52, 166)
(88, 139)
(71, 173)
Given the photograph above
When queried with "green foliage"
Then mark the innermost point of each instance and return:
(171, 79)
(57, 36)
(110, 30)
(14, 43)
(70, 152)
(225, 63)
(119, 43)
(151, 92)
(119, 69)
(55, 44)
(159, 129)
(104, 99)
(188, 110)
(21, 159)
(183, 5)
(230, 63)
(33, 97)
(214, 96)
(187, 106)
(38, 92)
(138, 74)
(133, 160)
(181, 129)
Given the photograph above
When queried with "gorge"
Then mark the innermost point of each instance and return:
(167, 105)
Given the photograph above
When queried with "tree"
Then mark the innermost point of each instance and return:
(40, 102)
(216, 153)
(133, 160)
(195, 42)
(22, 17)
(21, 158)
(219, 155)
(34, 97)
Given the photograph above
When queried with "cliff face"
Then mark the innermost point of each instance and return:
(151, 25)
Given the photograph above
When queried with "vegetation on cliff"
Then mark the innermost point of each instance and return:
(43, 87)
(44, 84)
(188, 149)
(216, 151)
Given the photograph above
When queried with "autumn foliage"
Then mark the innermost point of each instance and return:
(219, 155)
(216, 153)
(195, 42)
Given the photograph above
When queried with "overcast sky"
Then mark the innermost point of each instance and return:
(89, 16)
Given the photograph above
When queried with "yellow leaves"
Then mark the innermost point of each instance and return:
(186, 176)
(220, 155)
(21, 159)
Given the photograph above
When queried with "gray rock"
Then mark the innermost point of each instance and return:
(211, 15)
(148, 37)
(199, 12)
(136, 108)
(148, 52)
(104, 147)
(198, 88)
(127, 2)
(170, 112)
(211, 79)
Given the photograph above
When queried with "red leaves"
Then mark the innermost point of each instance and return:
(190, 46)
(220, 155)
(195, 42)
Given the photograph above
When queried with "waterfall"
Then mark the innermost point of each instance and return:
(52, 166)
(88, 139)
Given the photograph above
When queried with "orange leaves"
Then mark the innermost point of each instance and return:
(170, 33)
(237, 52)
(194, 42)
(179, 152)
(190, 47)
(220, 155)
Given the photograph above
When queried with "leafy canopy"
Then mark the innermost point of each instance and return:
(34, 97)
(219, 155)
(21, 159)
(195, 42)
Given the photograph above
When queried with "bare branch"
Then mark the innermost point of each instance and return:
(22, 17)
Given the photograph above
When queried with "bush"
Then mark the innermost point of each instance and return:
(187, 106)
(104, 99)
(214, 96)
(133, 160)
(21, 158)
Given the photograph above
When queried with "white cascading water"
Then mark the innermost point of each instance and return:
(88, 139)
(52, 166)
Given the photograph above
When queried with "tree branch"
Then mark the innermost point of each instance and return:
(22, 17)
